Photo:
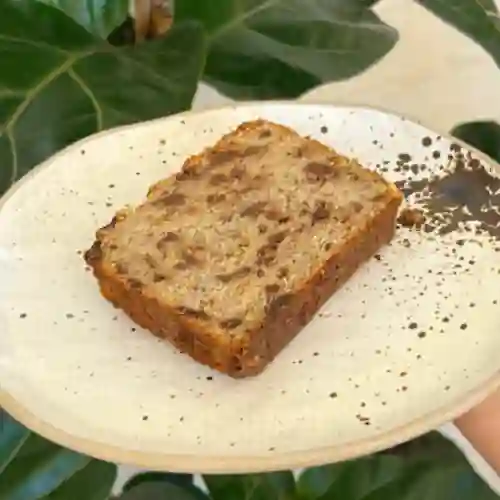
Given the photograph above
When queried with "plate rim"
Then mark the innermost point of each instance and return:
(216, 464)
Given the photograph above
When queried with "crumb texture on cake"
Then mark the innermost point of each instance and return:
(244, 223)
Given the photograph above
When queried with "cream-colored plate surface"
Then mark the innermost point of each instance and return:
(410, 342)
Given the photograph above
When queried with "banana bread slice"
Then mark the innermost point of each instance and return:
(231, 257)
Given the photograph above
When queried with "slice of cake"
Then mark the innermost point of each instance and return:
(230, 258)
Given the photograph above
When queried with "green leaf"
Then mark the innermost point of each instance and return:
(281, 48)
(12, 437)
(431, 447)
(349, 480)
(94, 482)
(478, 19)
(149, 477)
(62, 82)
(100, 17)
(440, 482)
(483, 135)
(32, 467)
(429, 468)
(272, 486)
(314, 483)
(163, 490)
(355, 479)
(39, 468)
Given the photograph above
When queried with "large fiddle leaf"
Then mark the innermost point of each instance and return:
(429, 468)
(59, 83)
(281, 48)
(32, 468)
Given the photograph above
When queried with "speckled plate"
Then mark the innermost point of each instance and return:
(409, 343)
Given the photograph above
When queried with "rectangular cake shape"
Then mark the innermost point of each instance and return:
(230, 258)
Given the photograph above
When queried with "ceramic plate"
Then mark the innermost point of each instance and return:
(410, 342)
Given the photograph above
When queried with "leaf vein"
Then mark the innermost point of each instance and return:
(15, 162)
(93, 99)
(33, 43)
(33, 93)
(151, 71)
(241, 19)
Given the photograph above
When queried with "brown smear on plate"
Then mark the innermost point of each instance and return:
(465, 193)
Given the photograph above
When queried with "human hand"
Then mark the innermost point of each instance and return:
(481, 426)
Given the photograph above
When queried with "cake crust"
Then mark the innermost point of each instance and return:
(231, 345)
